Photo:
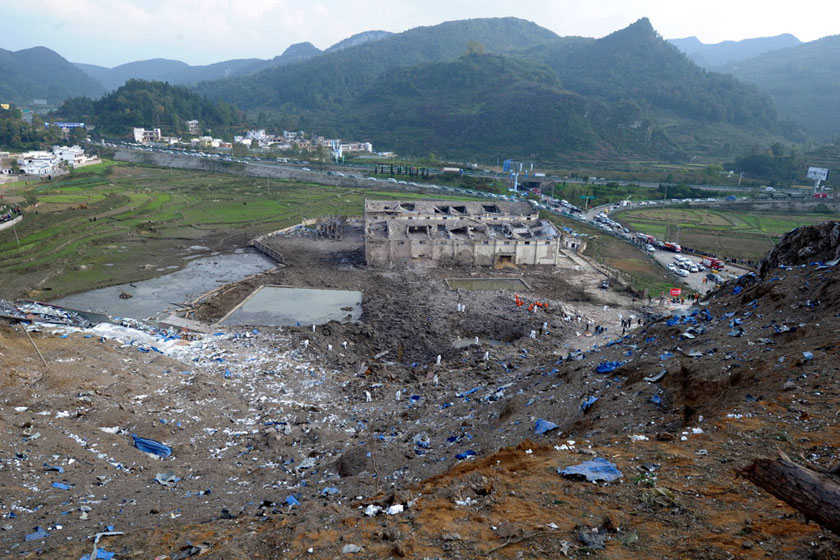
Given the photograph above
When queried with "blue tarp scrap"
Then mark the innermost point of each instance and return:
(650, 339)
(292, 501)
(587, 402)
(593, 471)
(151, 446)
(544, 426)
(808, 356)
(61, 486)
(737, 290)
(37, 534)
(656, 399)
(665, 356)
(329, 491)
(100, 555)
(607, 367)
(422, 441)
(465, 454)
(467, 393)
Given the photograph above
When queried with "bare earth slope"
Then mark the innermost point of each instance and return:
(282, 438)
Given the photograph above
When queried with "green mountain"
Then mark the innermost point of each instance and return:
(43, 74)
(490, 104)
(804, 81)
(635, 63)
(181, 73)
(334, 79)
(711, 55)
(358, 39)
(629, 93)
(150, 104)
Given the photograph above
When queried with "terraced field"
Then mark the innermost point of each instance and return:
(744, 235)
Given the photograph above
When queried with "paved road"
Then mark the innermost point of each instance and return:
(694, 280)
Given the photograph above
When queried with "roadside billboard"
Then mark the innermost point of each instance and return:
(820, 173)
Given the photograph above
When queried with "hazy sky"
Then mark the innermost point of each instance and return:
(111, 32)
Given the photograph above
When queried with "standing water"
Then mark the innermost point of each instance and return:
(158, 297)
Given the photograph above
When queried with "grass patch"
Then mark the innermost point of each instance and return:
(735, 234)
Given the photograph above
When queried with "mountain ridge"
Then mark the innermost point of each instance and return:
(40, 72)
(711, 55)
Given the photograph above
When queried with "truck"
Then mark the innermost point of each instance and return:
(713, 263)
(646, 238)
(673, 247)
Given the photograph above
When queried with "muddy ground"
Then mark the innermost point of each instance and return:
(281, 438)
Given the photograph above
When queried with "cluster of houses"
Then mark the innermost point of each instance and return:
(253, 139)
(297, 140)
(43, 163)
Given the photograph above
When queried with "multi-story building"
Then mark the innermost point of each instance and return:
(472, 233)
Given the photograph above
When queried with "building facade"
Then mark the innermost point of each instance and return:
(470, 233)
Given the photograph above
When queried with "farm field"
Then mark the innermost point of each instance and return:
(742, 235)
(114, 223)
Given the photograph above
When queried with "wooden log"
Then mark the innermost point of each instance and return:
(813, 493)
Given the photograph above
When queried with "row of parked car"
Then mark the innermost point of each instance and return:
(683, 265)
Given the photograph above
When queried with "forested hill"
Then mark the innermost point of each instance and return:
(334, 79)
(181, 73)
(620, 94)
(636, 64)
(150, 104)
(43, 74)
(803, 80)
(485, 104)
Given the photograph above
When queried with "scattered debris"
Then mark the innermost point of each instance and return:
(598, 469)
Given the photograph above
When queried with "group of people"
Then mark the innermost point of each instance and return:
(10, 214)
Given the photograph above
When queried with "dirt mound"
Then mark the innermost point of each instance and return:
(804, 245)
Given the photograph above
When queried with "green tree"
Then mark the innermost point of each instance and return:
(76, 136)
(240, 150)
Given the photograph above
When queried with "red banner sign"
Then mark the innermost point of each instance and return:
(675, 291)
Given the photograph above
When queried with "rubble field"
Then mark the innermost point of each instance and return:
(425, 431)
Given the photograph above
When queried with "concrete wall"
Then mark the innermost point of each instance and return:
(381, 252)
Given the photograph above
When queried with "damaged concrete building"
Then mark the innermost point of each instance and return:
(479, 233)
